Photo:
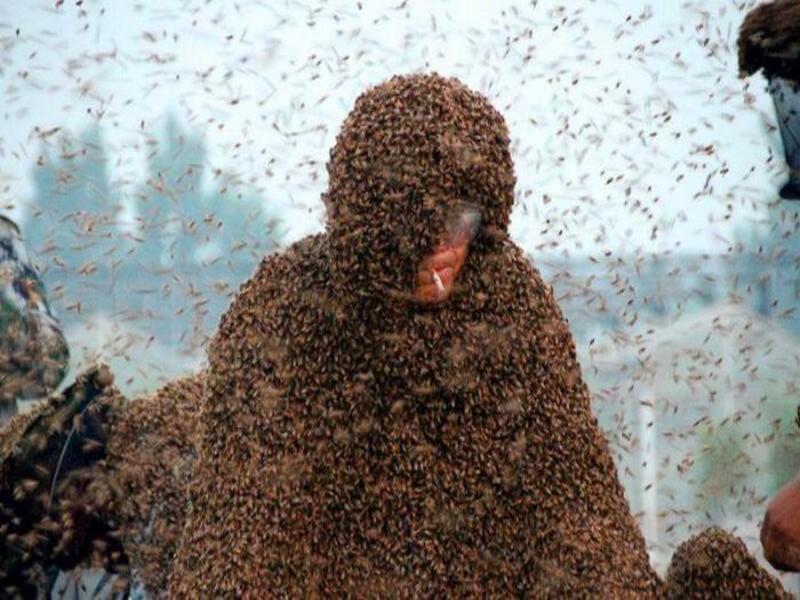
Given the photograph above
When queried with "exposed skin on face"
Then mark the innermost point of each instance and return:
(438, 272)
(444, 264)
(780, 534)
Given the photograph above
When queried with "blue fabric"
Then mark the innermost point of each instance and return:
(786, 96)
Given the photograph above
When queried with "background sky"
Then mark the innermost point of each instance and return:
(632, 132)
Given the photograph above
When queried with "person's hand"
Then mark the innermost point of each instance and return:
(438, 272)
(780, 534)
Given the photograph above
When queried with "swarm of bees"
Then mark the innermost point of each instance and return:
(152, 453)
(58, 507)
(622, 170)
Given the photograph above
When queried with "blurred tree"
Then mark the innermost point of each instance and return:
(169, 204)
(189, 250)
(752, 271)
(781, 247)
(654, 285)
(207, 237)
(72, 220)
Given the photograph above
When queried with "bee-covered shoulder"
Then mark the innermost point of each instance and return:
(280, 280)
(522, 292)
(530, 308)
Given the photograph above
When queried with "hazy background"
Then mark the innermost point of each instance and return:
(153, 152)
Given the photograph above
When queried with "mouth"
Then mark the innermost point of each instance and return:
(438, 272)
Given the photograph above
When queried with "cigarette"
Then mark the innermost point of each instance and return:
(438, 281)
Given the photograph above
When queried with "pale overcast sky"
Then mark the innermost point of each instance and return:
(632, 132)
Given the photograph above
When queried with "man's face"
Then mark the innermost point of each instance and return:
(439, 270)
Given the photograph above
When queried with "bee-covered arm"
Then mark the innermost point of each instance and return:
(34, 356)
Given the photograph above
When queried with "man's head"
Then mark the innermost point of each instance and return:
(412, 149)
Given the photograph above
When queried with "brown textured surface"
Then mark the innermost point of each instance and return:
(715, 564)
(66, 520)
(152, 450)
(11, 430)
(769, 39)
(353, 441)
